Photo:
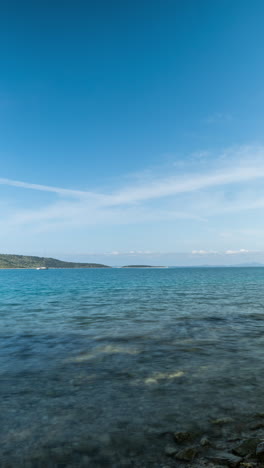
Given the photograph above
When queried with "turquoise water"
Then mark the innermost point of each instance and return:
(92, 352)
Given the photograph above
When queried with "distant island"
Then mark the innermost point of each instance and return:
(26, 261)
(143, 266)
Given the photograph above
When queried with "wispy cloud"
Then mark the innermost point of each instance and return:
(47, 188)
(204, 252)
(236, 252)
(224, 252)
(156, 198)
(175, 185)
(160, 187)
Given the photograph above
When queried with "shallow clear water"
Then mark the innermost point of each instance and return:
(126, 350)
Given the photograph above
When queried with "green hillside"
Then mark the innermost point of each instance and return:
(26, 261)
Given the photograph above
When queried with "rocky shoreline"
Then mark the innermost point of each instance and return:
(226, 443)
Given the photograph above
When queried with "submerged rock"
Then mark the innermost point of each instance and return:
(104, 439)
(248, 465)
(85, 462)
(181, 437)
(260, 451)
(60, 454)
(257, 426)
(38, 458)
(224, 458)
(222, 421)
(187, 454)
(205, 442)
(170, 450)
(89, 447)
(247, 447)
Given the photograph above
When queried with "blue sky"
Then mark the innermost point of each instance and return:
(132, 131)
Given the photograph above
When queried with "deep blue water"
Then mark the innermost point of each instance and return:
(92, 351)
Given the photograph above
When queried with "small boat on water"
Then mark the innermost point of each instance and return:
(42, 268)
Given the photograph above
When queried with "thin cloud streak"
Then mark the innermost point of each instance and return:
(157, 189)
(130, 205)
(47, 188)
(173, 186)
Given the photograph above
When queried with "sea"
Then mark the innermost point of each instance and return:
(95, 363)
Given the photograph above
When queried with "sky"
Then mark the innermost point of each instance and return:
(132, 131)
